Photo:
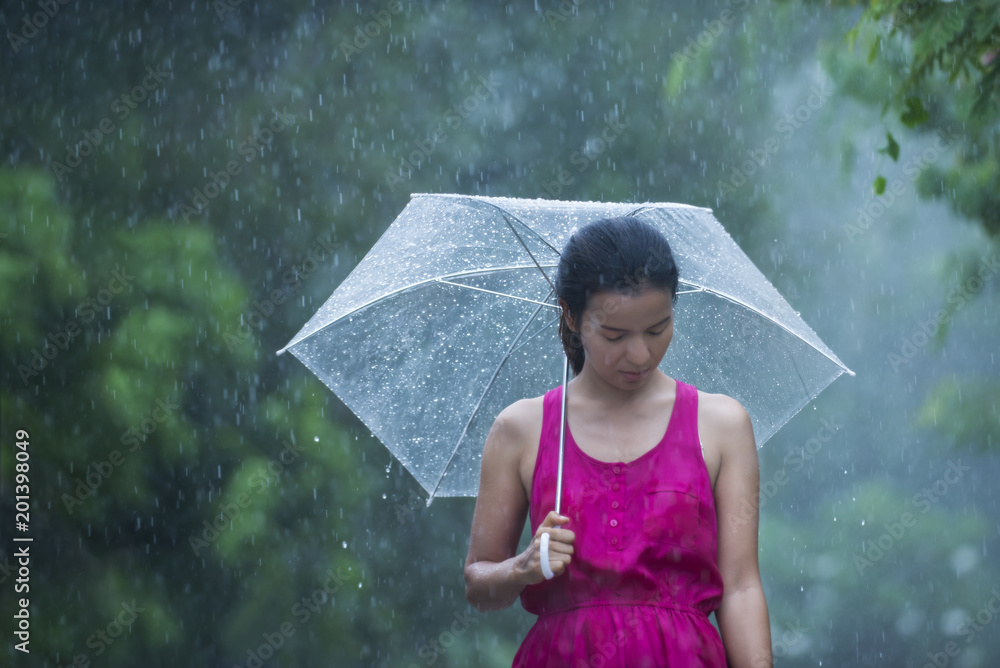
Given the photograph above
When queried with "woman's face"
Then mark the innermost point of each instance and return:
(626, 336)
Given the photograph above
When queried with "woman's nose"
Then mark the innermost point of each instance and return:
(637, 352)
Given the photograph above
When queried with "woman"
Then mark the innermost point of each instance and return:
(652, 470)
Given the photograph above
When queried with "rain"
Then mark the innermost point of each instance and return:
(218, 450)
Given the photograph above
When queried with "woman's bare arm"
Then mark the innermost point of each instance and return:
(742, 614)
(494, 574)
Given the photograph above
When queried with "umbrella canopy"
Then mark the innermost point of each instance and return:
(451, 317)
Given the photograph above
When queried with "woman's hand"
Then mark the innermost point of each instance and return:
(560, 549)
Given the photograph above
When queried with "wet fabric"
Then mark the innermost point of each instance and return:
(644, 574)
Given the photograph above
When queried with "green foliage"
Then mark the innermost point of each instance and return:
(965, 411)
(914, 115)
(891, 149)
(937, 65)
(959, 39)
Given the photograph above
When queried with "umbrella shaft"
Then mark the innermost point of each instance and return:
(562, 435)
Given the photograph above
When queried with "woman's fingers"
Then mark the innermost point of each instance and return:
(560, 540)
(553, 519)
(550, 525)
(560, 547)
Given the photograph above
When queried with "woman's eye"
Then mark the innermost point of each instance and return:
(623, 336)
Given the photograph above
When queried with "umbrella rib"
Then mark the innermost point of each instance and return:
(802, 381)
(757, 311)
(414, 286)
(639, 210)
(505, 215)
(544, 328)
(736, 300)
(479, 403)
(493, 292)
(526, 249)
(487, 270)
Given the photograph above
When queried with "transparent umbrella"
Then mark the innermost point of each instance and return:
(451, 317)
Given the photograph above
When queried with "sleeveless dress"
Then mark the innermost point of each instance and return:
(644, 576)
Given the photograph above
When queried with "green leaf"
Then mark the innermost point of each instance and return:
(879, 185)
(892, 149)
(915, 113)
(873, 51)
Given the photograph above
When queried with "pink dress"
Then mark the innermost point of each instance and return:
(644, 575)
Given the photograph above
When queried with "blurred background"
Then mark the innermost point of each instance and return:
(184, 184)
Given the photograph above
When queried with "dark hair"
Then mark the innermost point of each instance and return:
(621, 254)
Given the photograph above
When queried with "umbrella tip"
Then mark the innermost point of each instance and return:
(429, 499)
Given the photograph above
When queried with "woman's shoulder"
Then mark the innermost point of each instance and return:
(721, 407)
(723, 417)
(521, 420)
(524, 413)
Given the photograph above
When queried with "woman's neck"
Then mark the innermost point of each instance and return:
(591, 387)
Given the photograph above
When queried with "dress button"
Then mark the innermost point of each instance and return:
(614, 523)
(614, 540)
(615, 486)
(617, 469)
(614, 504)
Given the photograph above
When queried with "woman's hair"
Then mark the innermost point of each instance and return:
(621, 254)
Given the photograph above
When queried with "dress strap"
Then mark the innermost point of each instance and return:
(686, 412)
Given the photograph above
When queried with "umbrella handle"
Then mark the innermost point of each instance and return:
(546, 568)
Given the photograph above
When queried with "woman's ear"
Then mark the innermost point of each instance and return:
(568, 316)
